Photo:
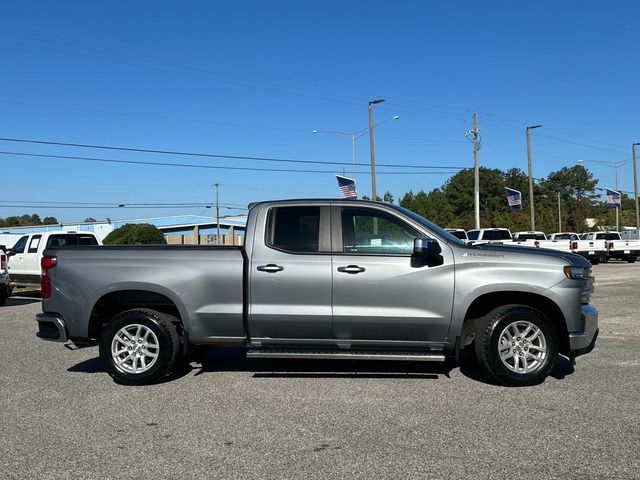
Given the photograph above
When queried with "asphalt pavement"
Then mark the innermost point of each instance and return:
(61, 416)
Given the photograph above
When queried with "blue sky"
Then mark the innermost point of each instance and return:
(255, 78)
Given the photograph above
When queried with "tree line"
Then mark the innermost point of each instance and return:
(451, 205)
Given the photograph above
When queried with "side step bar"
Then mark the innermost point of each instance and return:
(346, 355)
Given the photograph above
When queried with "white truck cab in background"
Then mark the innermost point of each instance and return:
(24, 257)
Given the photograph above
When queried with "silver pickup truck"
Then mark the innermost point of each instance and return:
(330, 279)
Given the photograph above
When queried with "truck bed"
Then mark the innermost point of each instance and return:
(207, 279)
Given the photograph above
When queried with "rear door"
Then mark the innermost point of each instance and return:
(381, 292)
(290, 275)
(31, 262)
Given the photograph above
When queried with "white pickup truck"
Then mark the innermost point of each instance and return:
(617, 248)
(25, 255)
(489, 235)
(594, 246)
(5, 284)
(556, 241)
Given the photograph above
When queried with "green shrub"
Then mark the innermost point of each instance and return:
(135, 234)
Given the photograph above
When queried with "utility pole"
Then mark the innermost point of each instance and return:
(474, 136)
(374, 194)
(559, 215)
(635, 182)
(533, 211)
(217, 185)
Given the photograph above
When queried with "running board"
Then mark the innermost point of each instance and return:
(345, 355)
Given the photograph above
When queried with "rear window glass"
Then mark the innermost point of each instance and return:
(496, 235)
(607, 236)
(460, 235)
(473, 234)
(531, 236)
(566, 236)
(65, 239)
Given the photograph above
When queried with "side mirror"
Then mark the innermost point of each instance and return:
(426, 246)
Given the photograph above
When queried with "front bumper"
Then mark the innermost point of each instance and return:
(584, 341)
(51, 327)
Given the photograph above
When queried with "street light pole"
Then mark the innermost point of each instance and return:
(353, 136)
(374, 195)
(559, 215)
(635, 182)
(217, 185)
(531, 203)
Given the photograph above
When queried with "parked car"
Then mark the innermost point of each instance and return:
(26, 254)
(322, 279)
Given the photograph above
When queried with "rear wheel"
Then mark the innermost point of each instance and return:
(516, 345)
(4, 294)
(140, 347)
(631, 259)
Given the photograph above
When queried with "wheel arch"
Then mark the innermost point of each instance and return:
(482, 305)
(125, 298)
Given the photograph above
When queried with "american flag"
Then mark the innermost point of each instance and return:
(613, 199)
(514, 199)
(347, 187)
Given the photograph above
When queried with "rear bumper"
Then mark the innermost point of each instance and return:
(583, 342)
(51, 327)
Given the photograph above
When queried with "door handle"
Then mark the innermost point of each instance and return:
(352, 269)
(270, 268)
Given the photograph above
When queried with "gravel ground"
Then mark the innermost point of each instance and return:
(61, 416)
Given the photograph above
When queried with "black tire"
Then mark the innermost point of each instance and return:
(4, 294)
(631, 259)
(166, 348)
(595, 260)
(488, 346)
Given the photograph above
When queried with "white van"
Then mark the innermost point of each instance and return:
(24, 257)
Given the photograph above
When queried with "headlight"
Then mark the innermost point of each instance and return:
(577, 273)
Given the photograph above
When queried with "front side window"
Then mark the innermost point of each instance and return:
(20, 244)
(374, 232)
(295, 229)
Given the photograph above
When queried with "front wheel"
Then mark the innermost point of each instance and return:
(140, 346)
(516, 345)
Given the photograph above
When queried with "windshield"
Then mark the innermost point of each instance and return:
(430, 226)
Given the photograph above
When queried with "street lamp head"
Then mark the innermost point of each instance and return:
(373, 102)
(314, 131)
(396, 117)
(636, 144)
(533, 126)
(580, 161)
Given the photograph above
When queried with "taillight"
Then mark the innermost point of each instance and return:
(609, 246)
(574, 245)
(536, 244)
(46, 263)
(3, 262)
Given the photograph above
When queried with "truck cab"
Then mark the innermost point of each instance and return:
(24, 257)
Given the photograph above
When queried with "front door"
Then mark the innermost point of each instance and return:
(290, 276)
(381, 292)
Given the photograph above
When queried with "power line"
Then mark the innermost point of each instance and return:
(444, 170)
(211, 155)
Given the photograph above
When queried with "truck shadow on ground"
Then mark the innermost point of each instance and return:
(234, 360)
(23, 297)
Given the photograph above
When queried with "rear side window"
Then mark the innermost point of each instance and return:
(34, 243)
(294, 229)
(473, 234)
(65, 239)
